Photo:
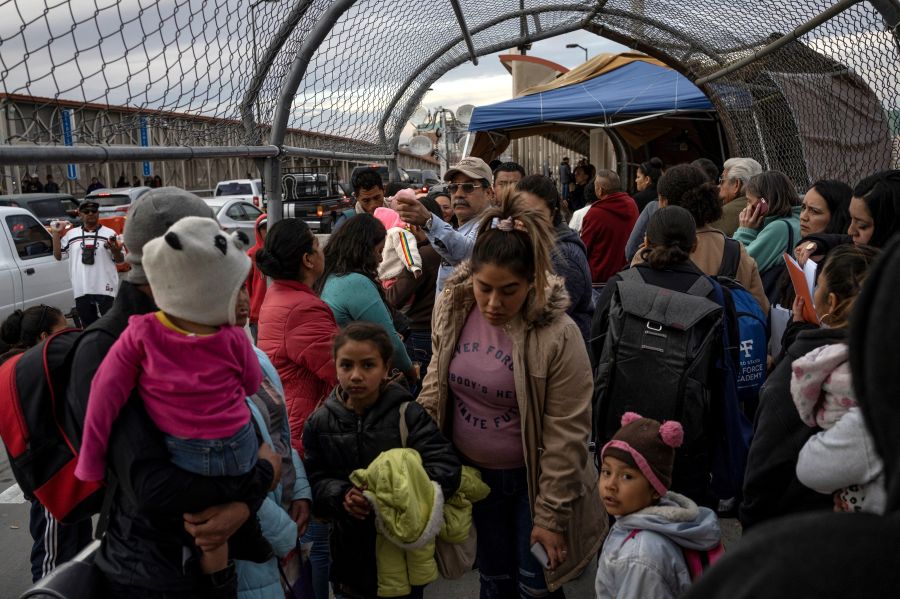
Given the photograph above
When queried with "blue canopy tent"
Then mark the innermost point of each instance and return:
(636, 89)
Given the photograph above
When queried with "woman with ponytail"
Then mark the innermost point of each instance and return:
(297, 330)
(510, 385)
(665, 261)
(685, 185)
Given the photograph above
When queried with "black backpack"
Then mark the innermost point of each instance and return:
(38, 432)
(659, 360)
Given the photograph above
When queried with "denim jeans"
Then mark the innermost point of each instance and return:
(503, 520)
(233, 456)
(319, 556)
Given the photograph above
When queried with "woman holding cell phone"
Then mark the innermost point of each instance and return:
(770, 225)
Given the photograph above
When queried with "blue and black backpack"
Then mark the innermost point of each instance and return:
(752, 331)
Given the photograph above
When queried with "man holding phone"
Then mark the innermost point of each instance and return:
(93, 251)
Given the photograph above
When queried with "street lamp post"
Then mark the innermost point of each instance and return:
(579, 46)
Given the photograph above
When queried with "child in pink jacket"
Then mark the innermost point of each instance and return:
(192, 367)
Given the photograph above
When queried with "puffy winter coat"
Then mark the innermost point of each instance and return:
(570, 262)
(409, 512)
(263, 581)
(296, 330)
(650, 564)
(458, 509)
(339, 441)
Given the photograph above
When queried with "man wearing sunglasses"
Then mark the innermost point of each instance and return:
(470, 193)
(93, 251)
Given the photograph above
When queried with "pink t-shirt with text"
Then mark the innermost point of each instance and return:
(486, 424)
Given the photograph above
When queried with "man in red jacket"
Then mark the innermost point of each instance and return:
(607, 225)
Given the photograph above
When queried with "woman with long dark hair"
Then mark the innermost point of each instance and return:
(349, 282)
(510, 386)
(874, 217)
(296, 330)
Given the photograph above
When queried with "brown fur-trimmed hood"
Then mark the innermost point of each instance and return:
(459, 285)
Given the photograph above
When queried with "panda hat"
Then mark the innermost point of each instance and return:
(196, 270)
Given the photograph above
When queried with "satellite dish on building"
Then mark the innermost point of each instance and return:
(420, 116)
(464, 113)
(420, 145)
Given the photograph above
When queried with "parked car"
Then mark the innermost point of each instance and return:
(423, 178)
(46, 207)
(235, 214)
(29, 274)
(383, 171)
(314, 195)
(250, 190)
(116, 202)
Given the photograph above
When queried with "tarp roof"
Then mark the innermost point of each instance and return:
(637, 88)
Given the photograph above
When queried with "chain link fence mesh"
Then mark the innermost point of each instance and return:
(827, 104)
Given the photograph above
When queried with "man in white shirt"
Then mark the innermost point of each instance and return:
(93, 252)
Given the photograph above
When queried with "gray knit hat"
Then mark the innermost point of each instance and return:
(196, 270)
(151, 216)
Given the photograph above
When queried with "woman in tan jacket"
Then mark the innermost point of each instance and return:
(686, 186)
(510, 385)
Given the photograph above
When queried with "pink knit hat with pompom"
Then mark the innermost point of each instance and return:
(647, 445)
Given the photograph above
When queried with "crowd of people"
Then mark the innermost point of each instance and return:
(504, 373)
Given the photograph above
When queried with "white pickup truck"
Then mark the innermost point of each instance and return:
(29, 274)
(250, 190)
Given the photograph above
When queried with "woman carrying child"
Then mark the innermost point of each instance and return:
(359, 421)
(771, 487)
(194, 369)
(509, 386)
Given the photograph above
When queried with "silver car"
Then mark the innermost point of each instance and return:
(116, 202)
(235, 214)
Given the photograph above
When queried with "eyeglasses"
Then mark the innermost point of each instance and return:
(466, 187)
(88, 210)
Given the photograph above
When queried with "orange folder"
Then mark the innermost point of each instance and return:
(801, 288)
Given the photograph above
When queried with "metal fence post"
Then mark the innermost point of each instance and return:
(275, 209)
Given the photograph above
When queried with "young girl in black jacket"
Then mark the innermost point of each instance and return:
(359, 421)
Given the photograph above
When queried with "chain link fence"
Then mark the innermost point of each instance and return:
(811, 88)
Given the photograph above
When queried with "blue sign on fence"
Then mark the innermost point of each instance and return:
(145, 141)
(68, 119)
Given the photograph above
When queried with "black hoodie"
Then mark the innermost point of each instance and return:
(834, 556)
(771, 487)
(570, 262)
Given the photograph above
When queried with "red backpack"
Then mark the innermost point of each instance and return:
(37, 429)
(697, 561)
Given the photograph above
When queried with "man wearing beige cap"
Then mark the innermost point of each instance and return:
(470, 194)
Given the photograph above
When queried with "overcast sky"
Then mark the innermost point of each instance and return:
(490, 82)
